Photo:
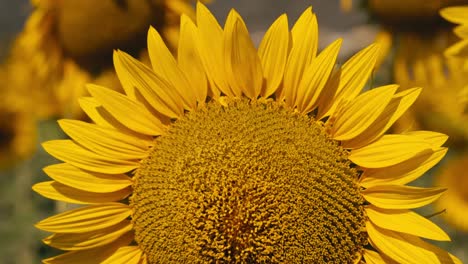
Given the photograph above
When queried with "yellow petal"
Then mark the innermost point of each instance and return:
(354, 75)
(243, 66)
(210, 47)
(165, 66)
(401, 197)
(71, 176)
(458, 49)
(273, 53)
(103, 118)
(91, 256)
(462, 31)
(303, 51)
(128, 112)
(85, 219)
(57, 191)
(189, 60)
(404, 248)
(373, 257)
(125, 255)
(87, 240)
(387, 151)
(404, 172)
(455, 14)
(105, 141)
(70, 152)
(361, 112)
(435, 139)
(394, 110)
(405, 221)
(328, 93)
(125, 78)
(316, 76)
(158, 92)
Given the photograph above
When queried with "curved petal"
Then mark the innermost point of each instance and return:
(103, 118)
(455, 14)
(166, 67)
(91, 256)
(87, 240)
(316, 76)
(189, 60)
(125, 255)
(435, 139)
(273, 53)
(394, 110)
(401, 197)
(210, 47)
(354, 75)
(105, 141)
(388, 150)
(361, 112)
(71, 176)
(69, 152)
(404, 248)
(303, 51)
(128, 112)
(405, 221)
(373, 257)
(404, 172)
(243, 66)
(158, 92)
(458, 49)
(86, 219)
(56, 191)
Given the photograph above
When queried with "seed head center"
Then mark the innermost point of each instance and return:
(251, 182)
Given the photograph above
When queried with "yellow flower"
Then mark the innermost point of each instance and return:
(457, 15)
(17, 126)
(454, 202)
(66, 44)
(237, 155)
(419, 61)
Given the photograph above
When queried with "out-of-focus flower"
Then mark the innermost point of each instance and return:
(233, 154)
(458, 15)
(66, 44)
(419, 61)
(17, 126)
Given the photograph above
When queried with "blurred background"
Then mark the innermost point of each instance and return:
(44, 64)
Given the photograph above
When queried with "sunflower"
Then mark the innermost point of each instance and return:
(59, 59)
(232, 154)
(17, 126)
(457, 15)
(419, 61)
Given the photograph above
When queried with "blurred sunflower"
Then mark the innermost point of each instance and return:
(237, 155)
(17, 126)
(458, 15)
(66, 44)
(419, 61)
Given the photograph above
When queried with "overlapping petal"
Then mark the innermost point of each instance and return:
(401, 197)
(57, 191)
(80, 179)
(86, 219)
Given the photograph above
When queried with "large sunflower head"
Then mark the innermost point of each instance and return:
(66, 44)
(233, 154)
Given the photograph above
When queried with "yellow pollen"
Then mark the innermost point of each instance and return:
(250, 182)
